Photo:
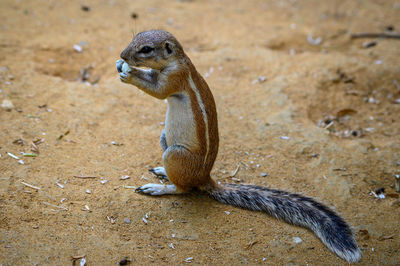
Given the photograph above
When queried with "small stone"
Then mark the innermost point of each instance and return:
(85, 8)
(88, 191)
(297, 240)
(124, 261)
(127, 220)
(78, 48)
(260, 79)
(134, 15)
(314, 41)
(7, 105)
(390, 28)
(263, 174)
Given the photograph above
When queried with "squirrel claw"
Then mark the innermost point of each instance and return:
(159, 172)
(139, 190)
(124, 77)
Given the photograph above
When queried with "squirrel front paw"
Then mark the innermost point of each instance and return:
(125, 77)
(124, 71)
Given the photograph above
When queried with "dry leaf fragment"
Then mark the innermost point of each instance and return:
(381, 238)
(364, 234)
(63, 135)
(251, 244)
(77, 257)
(344, 112)
(38, 141)
(393, 195)
(34, 148)
(233, 174)
(19, 141)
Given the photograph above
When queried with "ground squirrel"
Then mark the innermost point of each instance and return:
(155, 63)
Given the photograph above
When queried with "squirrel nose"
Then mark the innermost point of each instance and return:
(125, 54)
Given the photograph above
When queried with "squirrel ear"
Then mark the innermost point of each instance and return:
(169, 48)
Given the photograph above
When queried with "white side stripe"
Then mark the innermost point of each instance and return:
(203, 112)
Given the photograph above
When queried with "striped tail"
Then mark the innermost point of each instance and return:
(299, 210)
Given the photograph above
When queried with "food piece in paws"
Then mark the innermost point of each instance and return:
(122, 66)
(125, 68)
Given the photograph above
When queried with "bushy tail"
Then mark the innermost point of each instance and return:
(299, 210)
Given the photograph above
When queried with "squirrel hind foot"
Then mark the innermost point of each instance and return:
(158, 189)
(159, 172)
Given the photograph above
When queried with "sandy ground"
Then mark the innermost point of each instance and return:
(275, 126)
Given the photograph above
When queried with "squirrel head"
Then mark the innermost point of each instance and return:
(154, 49)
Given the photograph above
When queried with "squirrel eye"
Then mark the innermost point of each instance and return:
(146, 50)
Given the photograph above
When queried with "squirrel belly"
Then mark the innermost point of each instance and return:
(155, 63)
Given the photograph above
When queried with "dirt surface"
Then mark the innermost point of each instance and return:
(314, 116)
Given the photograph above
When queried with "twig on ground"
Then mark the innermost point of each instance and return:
(131, 187)
(233, 174)
(84, 177)
(29, 185)
(375, 35)
(55, 206)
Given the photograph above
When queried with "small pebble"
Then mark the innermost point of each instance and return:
(390, 28)
(134, 15)
(88, 191)
(7, 105)
(127, 220)
(260, 79)
(312, 41)
(124, 261)
(78, 48)
(380, 190)
(297, 240)
(263, 174)
(85, 8)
